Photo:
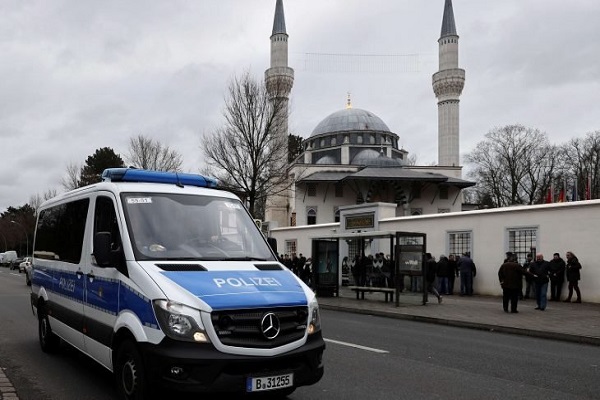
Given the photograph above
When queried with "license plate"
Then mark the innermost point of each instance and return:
(269, 383)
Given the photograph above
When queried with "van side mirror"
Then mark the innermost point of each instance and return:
(102, 249)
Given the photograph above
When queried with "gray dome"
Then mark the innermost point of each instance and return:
(372, 158)
(350, 119)
(327, 160)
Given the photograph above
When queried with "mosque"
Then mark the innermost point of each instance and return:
(353, 158)
(353, 190)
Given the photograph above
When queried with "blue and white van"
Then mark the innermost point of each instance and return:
(164, 279)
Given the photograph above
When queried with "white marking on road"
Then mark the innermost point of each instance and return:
(357, 346)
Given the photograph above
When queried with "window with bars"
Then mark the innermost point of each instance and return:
(459, 243)
(311, 189)
(353, 249)
(521, 242)
(290, 247)
(339, 190)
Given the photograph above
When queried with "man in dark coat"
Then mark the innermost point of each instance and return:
(430, 274)
(453, 268)
(556, 272)
(539, 269)
(510, 275)
(443, 273)
(467, 269)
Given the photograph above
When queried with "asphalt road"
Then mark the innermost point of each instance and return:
(367, 357)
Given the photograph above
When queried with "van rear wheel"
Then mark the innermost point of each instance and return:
(130, 373)
(49, 342)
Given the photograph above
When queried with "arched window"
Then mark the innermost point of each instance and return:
(337, 215)
(311, 216)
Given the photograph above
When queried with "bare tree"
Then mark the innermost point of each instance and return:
(71, 180)
(146, 153)
(248, 152)
(582, 164)
(36, 200)
(513, 165)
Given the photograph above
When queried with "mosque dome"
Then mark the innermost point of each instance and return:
(372, 158)
(350, 119)
(327, 160)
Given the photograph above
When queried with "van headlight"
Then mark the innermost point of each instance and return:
(314, 325)
(176, 321)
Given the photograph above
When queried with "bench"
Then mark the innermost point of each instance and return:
(360, 290)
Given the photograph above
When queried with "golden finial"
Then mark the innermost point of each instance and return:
(349, 102)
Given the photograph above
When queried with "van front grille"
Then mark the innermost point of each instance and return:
(263, 328)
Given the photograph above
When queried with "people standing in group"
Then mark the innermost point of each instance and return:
(529, 281)
(443, 274)
(430, 274)
(556, 272)
(467, 270)
(510, 275)
(573, 276)
(539, 270)
(453, 268)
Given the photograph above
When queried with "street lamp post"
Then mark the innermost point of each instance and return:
(26, 236)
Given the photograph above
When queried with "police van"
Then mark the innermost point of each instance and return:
(166, 280)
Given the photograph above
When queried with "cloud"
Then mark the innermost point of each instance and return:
(78, 76)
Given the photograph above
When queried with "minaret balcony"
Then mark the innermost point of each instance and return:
(449, 82)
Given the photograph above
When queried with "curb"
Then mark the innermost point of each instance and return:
(565, 337)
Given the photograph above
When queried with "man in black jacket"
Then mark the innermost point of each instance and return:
(510, 275)
(556, 272)
(539, 270)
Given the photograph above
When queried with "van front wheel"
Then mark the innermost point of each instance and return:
(130, 373)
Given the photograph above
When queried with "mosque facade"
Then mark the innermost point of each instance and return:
(352, 159)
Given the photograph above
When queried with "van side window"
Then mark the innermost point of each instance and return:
(105, 220)
(60, 231)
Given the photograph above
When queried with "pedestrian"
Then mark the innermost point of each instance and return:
(557, 276)
(510, 275)
(539, 269)
(443, 273)
(453, 268)
(529, 285)
(467, 269)
(573, 276)
(430, 273)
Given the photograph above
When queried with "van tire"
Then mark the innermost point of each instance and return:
(130, 373)
(49, 342)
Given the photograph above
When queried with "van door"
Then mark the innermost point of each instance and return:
(61, 236)
(101, 305)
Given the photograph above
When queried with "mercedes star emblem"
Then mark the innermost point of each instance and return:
(270, 326)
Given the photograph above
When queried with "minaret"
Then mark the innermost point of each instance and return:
(279, 80)
(448, 83)
(280, 77)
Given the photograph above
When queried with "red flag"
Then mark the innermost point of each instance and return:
(549, 195)
(561, 196)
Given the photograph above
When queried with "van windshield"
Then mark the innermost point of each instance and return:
(166, 226)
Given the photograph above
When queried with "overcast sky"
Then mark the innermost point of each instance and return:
(79, 75)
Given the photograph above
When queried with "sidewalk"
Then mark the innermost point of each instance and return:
(560, 321)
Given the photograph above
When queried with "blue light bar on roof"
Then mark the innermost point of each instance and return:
(143, 175)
